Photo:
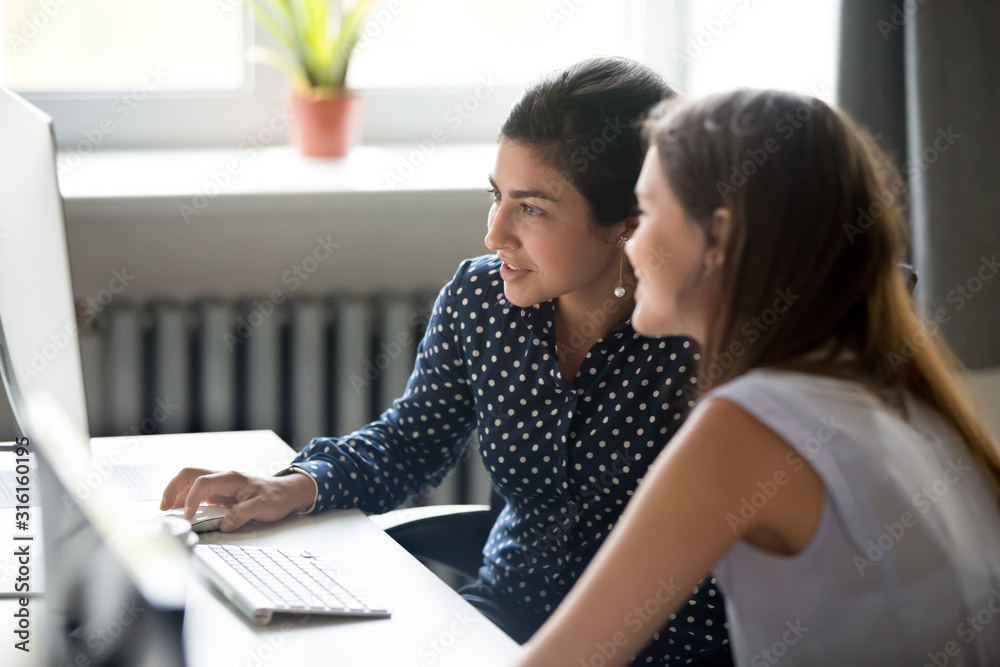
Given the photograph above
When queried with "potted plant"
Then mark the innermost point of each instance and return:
(315, 39)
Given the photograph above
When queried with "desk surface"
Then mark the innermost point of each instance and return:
(430, 623)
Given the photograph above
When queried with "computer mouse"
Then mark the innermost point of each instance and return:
(206, 518)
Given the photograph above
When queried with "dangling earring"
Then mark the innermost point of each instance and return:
(620, 289)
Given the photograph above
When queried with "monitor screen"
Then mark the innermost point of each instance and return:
(114, 587)
(39, 348)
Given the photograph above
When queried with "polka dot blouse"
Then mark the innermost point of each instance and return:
(566, 456)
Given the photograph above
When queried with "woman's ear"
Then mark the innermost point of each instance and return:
(630, 225)
(719, 229)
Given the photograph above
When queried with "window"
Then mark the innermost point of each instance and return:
(784, 44)
(448, 43)
(421, 57)
(145, 73)
(86, 46)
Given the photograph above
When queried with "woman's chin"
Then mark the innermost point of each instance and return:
(519, 297)
(643, 322)
(654, 325)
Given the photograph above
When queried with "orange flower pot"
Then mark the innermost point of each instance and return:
(325, 126)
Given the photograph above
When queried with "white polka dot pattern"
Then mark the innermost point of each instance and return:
(566, 456)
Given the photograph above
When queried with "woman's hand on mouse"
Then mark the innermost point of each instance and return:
(247, 497)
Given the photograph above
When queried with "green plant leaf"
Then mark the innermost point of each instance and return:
(317, 17)
(347, 39)
(301, 28)
(276, 19)
(319, 42)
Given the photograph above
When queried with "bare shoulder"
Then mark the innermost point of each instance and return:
(773, 497)
(729, 439)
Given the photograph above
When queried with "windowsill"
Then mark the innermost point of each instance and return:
(184, 174)
(154, 209)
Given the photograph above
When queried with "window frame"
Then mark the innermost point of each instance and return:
(87, 121)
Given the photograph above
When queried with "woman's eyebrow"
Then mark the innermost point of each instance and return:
(525, 194)
(531, 194)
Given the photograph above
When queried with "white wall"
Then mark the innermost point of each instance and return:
(397, 242)
(387, 242)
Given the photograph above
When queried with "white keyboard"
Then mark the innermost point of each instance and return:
(262, 581)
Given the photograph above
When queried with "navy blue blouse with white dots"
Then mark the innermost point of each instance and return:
(565, 456)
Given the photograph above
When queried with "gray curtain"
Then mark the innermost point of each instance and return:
(924, 78)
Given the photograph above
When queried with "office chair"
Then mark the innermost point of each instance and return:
(450, 535)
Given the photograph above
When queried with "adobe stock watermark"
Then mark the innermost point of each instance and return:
(965, 291)
(945, 139)
(597, 318)
(967, 630)
(101, 638)
(390, 351)
(554, 532)
(786, 127)
(772, 654)
(219, 180)
(751, 330)
(426, 490)
(897, 18)
(959, 296)
(582, 156)
(40, 358)
(60, 339)
(769, 488)
(452, 119)
(294, 277)
(922, 501)
(583, 334)
(711, 30)
(121, 108)
(32, 25)
(635, 620)
(911, 344)
(271, 643)
(378, 19)
(102, 471)
(560, 524)
(562, 13)
(432, 649)
(93, 305)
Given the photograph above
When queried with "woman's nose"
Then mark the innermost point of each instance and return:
(498, 232)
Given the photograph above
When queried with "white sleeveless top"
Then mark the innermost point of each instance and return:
(905, 566)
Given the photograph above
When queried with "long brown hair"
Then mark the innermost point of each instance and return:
(811, 280)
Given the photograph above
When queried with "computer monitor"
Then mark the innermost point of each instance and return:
(39, 347)
(114, 588)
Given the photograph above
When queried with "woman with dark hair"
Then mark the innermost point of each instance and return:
(532, 348)
(832, 475)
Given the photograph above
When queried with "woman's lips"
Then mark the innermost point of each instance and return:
(512, 274)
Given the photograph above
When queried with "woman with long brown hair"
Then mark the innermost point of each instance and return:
(832, 474)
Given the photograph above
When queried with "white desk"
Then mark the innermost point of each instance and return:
(430, 624)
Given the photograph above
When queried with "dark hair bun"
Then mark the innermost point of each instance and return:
(585, 120)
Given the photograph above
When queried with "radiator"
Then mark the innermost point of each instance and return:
(301, 368)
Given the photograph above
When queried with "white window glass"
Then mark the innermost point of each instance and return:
(86, 46)
(787, 44)
(452, 43)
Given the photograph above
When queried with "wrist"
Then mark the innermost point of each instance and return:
(301, 488)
